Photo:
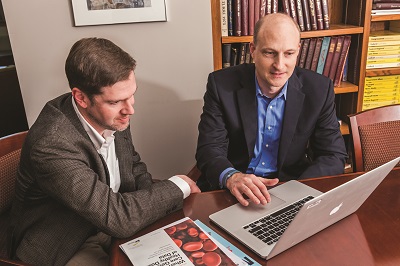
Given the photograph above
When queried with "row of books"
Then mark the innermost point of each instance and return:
(386, 4)
(381, 91)
(385, 7)
(324, 55)
(383, 49)
(235, 53)
(238, 17)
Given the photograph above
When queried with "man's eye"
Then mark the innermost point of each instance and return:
(114, 103)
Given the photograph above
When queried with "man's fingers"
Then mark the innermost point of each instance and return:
(238, 195)
(269, 182)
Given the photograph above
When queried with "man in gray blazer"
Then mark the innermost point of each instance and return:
(80, 180)
(260, 120)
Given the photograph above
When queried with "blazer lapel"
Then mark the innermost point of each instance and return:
(247, 104)
(294, 104)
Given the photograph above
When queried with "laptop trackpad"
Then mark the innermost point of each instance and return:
(275, 202)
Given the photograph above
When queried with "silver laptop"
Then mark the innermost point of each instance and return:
(296, 212)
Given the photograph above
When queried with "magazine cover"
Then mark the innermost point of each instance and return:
(179, 243)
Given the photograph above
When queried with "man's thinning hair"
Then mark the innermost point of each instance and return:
(93, 63)
(261, 21)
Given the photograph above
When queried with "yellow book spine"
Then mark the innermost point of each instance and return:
(367, 106)
(384, 43)
(383, 52)
(384, 65)
(380, 57)
(385, 48)
(379, 78)
(383, 61)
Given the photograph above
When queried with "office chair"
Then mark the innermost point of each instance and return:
(10, 150)
(376, 136)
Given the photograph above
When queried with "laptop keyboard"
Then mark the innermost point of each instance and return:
(270, 228)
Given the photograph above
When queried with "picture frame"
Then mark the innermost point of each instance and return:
(101, 12)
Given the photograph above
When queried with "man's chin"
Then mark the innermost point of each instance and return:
(120, 127)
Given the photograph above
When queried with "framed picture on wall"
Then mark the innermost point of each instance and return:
(98, 12)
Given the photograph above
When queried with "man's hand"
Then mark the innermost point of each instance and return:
(252, 186)
(193, 187)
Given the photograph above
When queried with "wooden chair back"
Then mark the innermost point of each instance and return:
(376, 136)
(10, 150)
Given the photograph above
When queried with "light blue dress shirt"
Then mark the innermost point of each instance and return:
(270, 119)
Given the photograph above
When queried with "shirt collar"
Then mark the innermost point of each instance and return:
(96, 138)
(281, 93)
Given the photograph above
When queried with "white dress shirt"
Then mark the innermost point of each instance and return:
(105, 146)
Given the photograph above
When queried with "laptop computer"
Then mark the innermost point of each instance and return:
(273, 228)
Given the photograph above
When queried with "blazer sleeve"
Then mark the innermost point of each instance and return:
(69, 173)
(326, 143)
(212, 145)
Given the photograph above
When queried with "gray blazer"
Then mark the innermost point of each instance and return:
(62, 195)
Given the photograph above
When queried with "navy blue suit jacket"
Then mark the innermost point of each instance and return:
(228, 126)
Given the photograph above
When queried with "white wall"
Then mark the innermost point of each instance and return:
(174, 59)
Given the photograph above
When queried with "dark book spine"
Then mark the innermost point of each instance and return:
(263, 8)
(313, 16)
(226, 55)
(257, 6)
(245, 17)
(331, 51)
(325, 14)
(293, 14)
(342, 60)
(251, 16)
(317, 51)
(306, 15)
(242, 53)
(237, 11)
(234, 55)
(286, 7)
(336, 56)
(318, 13)
(386, 6)
(230, 17)
(386, 1)
(304, 51)
(274, 7)
(248, 55)
(300, 18)
(310, 53)
(268, 7)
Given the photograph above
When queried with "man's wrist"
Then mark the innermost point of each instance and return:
(227, 176)
(182, 185)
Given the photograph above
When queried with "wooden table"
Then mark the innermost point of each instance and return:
(371, 236)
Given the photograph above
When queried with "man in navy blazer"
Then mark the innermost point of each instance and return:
(268, 120)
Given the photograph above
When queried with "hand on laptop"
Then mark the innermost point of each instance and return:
(252, 186)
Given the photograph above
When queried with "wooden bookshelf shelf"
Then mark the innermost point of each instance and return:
(344, 128)
(346, 87)
(385, 17)
(336, 29)
(382, 71)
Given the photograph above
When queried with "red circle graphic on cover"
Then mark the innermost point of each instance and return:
(197, 246)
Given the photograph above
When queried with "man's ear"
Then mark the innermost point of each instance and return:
(80, 97)
(252, 48)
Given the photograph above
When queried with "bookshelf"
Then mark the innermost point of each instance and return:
(346, 18)
(374, 23)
